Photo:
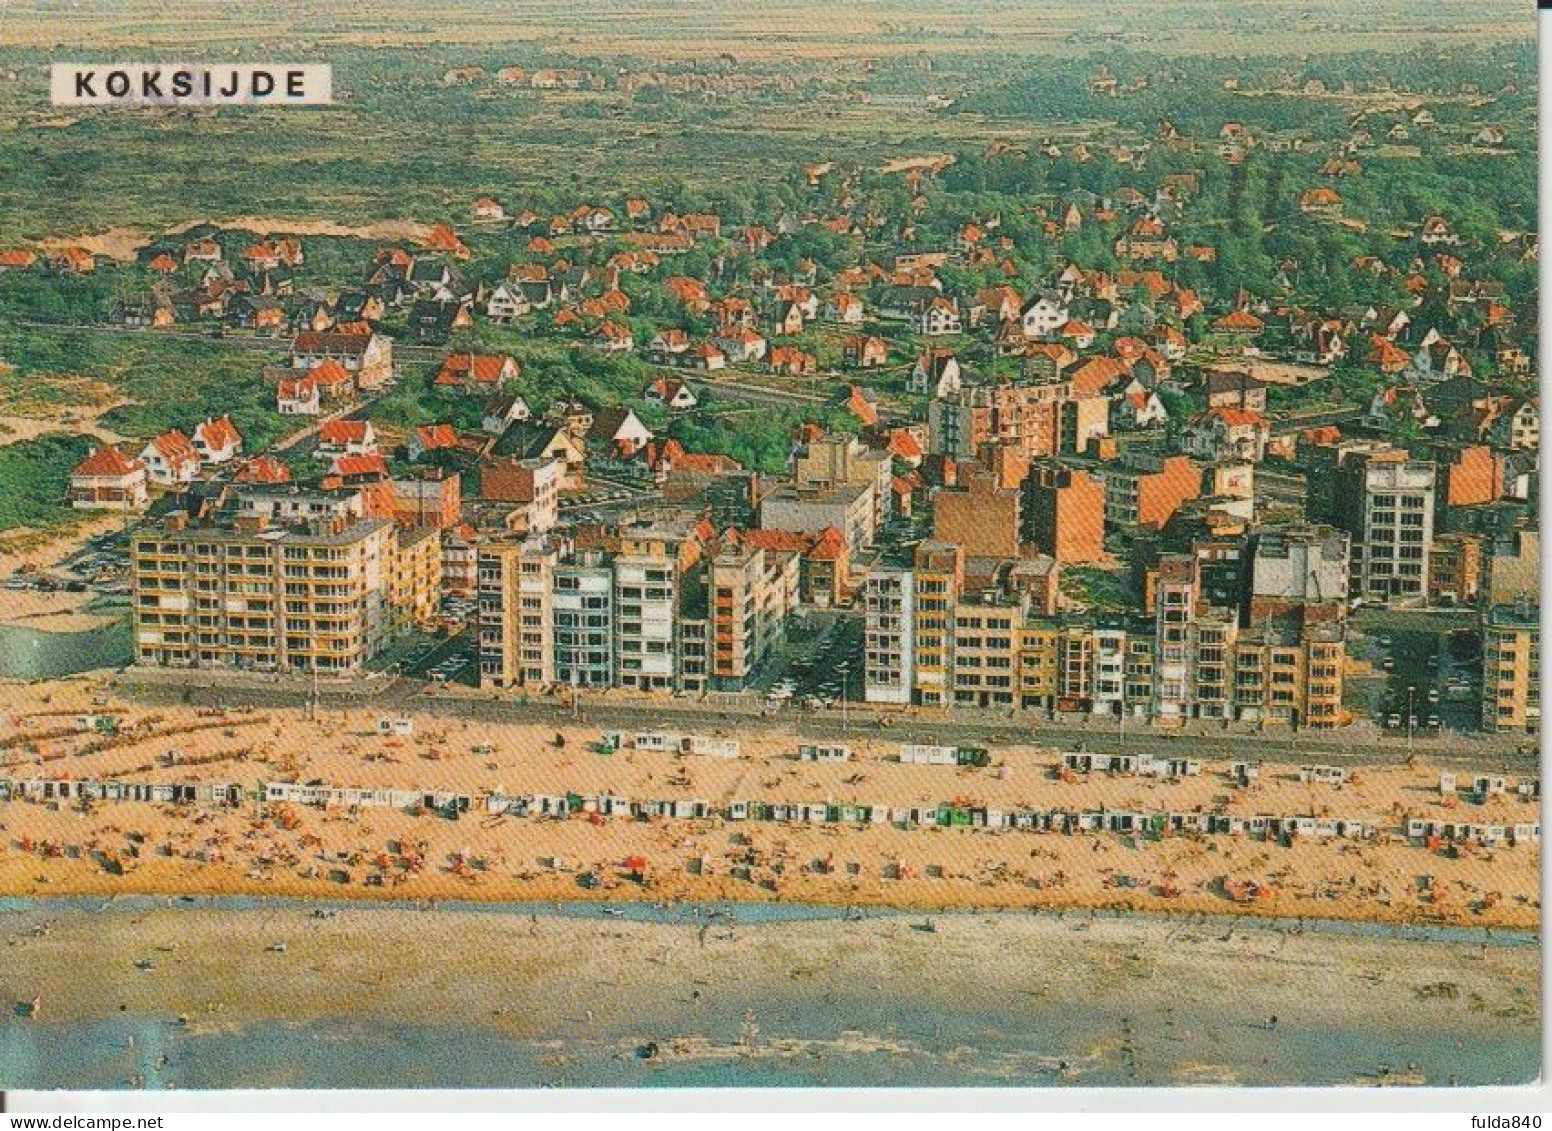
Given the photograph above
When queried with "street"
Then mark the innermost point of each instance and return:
(1353, 746)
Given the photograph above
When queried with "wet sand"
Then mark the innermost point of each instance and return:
(1115, 988)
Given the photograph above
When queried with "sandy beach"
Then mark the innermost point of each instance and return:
(49, 848)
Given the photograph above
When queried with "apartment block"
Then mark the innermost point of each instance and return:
(582, 605)
(985, 650)
(752, 593)
(1511, 668)
(249, 594)
(1298, 565)
(1175, 612)
(889, 640)
(1385, 500)
(939, 575)
(1455, 569)
(831, 461)
(849, 507)
(516, 610)
(415, 581)
(1065, 510)
(1145, 490)
(979, 515)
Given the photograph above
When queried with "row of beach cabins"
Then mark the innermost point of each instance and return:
(1243, 773)
(450, 803)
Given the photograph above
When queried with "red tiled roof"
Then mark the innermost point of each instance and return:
(343, 431)
(361, 465)
(219, 433)
(107, 460)
(434, 436)
(264, 469)
(330, 374)
(326, 341)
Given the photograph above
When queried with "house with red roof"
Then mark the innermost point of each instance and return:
(367, 358)
(1227, 434)
(171, 459)
(217, 440)
(300, 396)
(1321, 202)
(1239, 328)
(445, 241)
(740, 344)
(845, 308)
(861, 404)
(1080, 334)
(905, 444)
(672, 393)
(864, 351)
(108, 480)
(430, 438)
(16, 259)
(346, 438)
(73, 261)
(478, 372)
(792, 361)
(263, 469)
(611, 337)
(361, 469)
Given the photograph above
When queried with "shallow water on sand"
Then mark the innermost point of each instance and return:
(801, 1042)
(813, 1033)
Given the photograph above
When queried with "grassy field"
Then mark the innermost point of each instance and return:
(750, 29)
(830, 81)
(168, 383)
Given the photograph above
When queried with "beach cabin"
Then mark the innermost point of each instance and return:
(1244, 772)
(826, 753)
(1530, 787)
(395, 728)
(711, 747)
(920, 755)
(1323, 775)
(1489, 785)
(106, 724)
(1526, 833)
(1447, 785)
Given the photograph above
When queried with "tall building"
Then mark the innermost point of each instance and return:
(516, 610)
(1174, 597)
(830, 461)
(1385, 500)
(1145, 490)
(1065, 510)
(1511, 668)
(889, 640)
(583, 608)
(752, 592)
(1296, 566)
(247, 593)
(978, 515)
(939, 577)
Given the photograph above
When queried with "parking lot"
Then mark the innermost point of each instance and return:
(1424, 682)
(823, 662)
(597, 501)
